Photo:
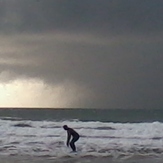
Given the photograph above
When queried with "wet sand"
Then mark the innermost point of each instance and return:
(86, 159)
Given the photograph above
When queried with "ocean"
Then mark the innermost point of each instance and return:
(106, 135)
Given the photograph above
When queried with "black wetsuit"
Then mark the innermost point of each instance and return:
(75, 137)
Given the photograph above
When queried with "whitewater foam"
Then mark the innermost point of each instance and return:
(47, 138)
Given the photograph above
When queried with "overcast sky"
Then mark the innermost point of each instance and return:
(81, 53)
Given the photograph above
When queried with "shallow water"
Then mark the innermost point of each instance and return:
(88, 159)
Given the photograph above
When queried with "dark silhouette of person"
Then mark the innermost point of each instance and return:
(75, 136)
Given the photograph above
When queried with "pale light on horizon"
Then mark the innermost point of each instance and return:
(35, 93)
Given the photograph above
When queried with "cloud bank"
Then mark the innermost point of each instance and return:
(92, 53)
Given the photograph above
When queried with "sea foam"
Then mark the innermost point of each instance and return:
(47, 138)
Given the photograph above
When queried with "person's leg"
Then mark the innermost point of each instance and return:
(72, 143)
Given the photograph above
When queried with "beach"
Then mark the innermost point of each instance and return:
(88, 159)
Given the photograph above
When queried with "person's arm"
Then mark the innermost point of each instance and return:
(68, 137)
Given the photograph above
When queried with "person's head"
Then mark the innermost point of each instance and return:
(65, 127)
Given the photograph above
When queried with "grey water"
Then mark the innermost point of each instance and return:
(75, 115)
(102, 115)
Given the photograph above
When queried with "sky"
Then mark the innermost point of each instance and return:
(81, 54)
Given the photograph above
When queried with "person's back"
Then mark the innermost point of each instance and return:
(73, 132)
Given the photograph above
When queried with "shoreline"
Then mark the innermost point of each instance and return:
(85, 159)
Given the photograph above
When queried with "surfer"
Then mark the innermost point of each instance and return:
(75, 136)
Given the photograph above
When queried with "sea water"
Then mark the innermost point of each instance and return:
(106, 135)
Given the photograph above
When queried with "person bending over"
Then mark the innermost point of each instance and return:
(71, 133)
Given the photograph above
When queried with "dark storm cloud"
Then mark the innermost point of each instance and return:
(120, 72)
(112, 47)
(93, 15)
